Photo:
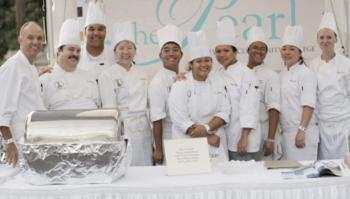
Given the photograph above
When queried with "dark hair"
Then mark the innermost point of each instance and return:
(301, 58)
(234, 49)
(60, 49)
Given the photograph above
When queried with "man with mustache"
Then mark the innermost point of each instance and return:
(20, 89)
(69, 87)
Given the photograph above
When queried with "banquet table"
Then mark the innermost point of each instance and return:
(154, 183)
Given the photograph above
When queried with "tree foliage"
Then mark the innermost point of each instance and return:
(8, 32)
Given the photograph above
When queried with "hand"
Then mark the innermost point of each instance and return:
(213, 140)
(199, 131)
(11, 154)
(300, 139)
(45, 69)
(268, 148)
(158, 156)
(191, 128)
(242, 144)
(180, 76)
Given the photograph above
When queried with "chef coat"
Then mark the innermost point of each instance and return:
(243, 89)
(20, 93)
(158, 92)
(63, 90)
(197, 102)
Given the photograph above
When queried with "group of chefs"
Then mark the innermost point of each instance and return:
(246, 111)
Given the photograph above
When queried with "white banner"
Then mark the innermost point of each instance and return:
(191, 15)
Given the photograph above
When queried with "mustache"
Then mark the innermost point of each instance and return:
(74, 57)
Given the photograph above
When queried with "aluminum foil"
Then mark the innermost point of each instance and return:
(74, 147)
(74, 163)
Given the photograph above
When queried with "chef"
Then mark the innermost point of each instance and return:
(68, 87)
(199, 105)
(298, 100)
(333, 92)
(169, 40)
(269, 87)
(95, 55)
(20, 89)
(124, 86)
(243, 131)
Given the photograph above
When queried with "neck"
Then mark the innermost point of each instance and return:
(126, 65)
(233, 62)
(29, 58)
(327, 56)
(198, 78)
(173, 68)
(252, 64)
(93, 50)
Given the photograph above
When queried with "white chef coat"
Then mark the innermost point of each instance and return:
(333, 94)
(270, 98)
(158, 93)
(124, 89)
(243, 88)
(127, 91)
(19, 93)
(298, 89)
(95, 65)
(63, 90)
(197, 102)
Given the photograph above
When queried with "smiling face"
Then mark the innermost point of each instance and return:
(31, 40)
(95, 34)
(257, 52)
(201, 67)
(125, 52)
(171, 55)
(326, 39)
(290, 55)
(225, 54)
(68, 57)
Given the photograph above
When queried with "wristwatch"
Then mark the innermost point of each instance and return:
(8, 141)
(301, 128)
(207, 127)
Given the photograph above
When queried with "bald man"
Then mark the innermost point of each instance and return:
(20, 89)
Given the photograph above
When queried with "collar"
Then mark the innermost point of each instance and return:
(23, 58)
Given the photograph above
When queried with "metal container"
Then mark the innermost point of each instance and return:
(74, 147)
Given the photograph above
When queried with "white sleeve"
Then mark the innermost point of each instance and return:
(224, 103)
(308, 88)
(157, 95)
(11, 83)
(178, 101)
(273, 93)
(106, 86)
(249, 102)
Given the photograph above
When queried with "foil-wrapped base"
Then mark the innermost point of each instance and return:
(75, 163)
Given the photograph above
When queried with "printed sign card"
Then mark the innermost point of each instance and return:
(187, 156)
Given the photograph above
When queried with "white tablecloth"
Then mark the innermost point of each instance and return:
(153, 183)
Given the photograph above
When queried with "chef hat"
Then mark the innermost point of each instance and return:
(95, 14)
(328, 21)
(225, 33)
(198, 45)
(169, 33)
(256, 34)
(293, 35)
(69, 33)
(122, 31)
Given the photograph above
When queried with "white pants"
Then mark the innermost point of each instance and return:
(334, 139)
(137, 128)
(308, 152)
